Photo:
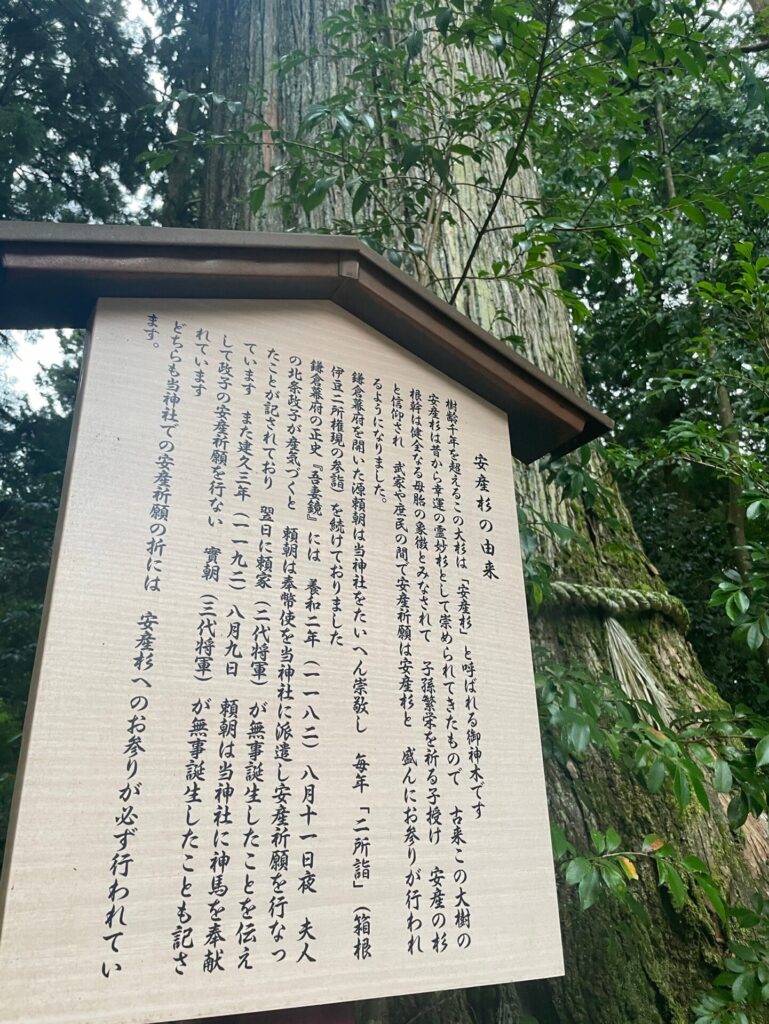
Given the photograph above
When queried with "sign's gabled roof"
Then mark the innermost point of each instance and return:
(52, 274)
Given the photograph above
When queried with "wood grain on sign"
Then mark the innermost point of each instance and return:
(283, 743)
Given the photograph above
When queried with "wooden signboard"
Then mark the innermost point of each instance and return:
(283, 746)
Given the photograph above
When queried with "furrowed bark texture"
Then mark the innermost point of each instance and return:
(617, 970)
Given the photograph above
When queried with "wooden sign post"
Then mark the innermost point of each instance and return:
(283, 746)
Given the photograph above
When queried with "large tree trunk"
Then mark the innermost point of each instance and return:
(617, 969)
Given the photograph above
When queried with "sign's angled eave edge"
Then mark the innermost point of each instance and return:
(442, 308)
(299, 247)
(55, 232)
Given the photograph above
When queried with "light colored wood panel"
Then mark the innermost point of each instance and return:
(55, 964)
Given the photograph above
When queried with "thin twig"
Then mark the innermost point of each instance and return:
(512, 165)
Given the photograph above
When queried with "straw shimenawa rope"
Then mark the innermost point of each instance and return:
(617, 601)
(629, 666)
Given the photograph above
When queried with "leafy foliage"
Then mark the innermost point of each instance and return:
(711, 450)
(609, 869)
(723, 750)
(695, 757)
(73, 110)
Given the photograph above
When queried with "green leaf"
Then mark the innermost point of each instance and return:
(561, 844)
(414, 43)
(318, 193)
(722, 776)
(744, 917)
(681, 787)
(762, 752)
(695, 779)
(256, 198)
(579, 736)
(673, 882)
(754, 636)
(344, 124)
(625, 170)
(710, 889)
(692, 863)
(613, 840)
(412, 154)
(613, 877)
(362, 192)
(656, 776)
(689, 63)
(577, 869)
(746, 953)
(160, 160)
(443, 19)
(463, 150)
(742, 988)
(692, 212)
(560, 531)
(737, 811)
(715, 206)
(589, 889)
(732, 606)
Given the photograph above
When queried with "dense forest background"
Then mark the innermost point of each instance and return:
(590, 180)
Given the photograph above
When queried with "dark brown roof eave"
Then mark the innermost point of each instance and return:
(53, 273)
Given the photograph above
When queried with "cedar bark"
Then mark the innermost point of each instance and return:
(617, 969)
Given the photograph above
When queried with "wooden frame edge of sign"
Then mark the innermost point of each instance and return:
(51, 275)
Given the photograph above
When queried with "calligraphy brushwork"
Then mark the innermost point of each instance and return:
(284, 745)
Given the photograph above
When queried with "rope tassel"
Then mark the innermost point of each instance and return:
(632, 671)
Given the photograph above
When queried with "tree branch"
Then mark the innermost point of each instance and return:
(512, 165)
